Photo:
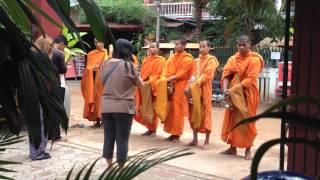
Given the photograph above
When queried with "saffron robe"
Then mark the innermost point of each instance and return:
(91, 85)
(201, 89)
(151, 70)
(247, 69)
(180, 65)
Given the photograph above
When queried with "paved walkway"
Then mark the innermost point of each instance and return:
(84, 145)
(66, 155)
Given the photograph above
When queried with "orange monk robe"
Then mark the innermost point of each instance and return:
(180, 65)
(207, 65)
(91, 85)
(248, 69)
(151, 70)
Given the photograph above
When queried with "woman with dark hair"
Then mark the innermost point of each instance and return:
(120, 77)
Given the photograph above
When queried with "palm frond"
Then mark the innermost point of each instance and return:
(288, 117)
(7, 138)
(37, 9)
(97, 22)
(31, 17)
(4, 177)
(17, 14)
(65, 5)
(69, 173)
(137, 163)
(267, 145)
(293, 100)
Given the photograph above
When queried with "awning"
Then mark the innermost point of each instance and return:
(114, 26)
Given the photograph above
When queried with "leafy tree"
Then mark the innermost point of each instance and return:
(256, 18)
(199, 5)
(28, 77)
(124, 11)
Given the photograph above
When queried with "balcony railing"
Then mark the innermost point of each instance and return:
(182, 10)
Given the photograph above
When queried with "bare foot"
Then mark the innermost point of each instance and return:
(230, 151)
(205, 146)
(247, 155)
(193, 143)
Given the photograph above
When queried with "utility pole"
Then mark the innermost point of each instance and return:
(158, 3)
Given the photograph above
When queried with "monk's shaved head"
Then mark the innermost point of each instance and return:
(153, 48)
(154, 44)
(182, 41)
(206, 42)
(243, 44)
(180, 44)
(243, 38)
(204, 47)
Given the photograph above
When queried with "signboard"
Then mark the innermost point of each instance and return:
(275, 55)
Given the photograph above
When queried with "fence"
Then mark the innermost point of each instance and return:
(223, 53)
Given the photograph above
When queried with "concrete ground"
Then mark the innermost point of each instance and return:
(85, 144)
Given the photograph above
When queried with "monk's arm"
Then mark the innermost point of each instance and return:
(227, 74)
(254, 69)
(208, 73)
(158, 71)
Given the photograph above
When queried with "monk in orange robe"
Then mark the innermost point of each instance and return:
(151, 70)
(178, 70)
(239, 81)
(205, 68)
(91, 85)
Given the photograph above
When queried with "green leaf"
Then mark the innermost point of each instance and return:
(87, 175)
(2, 162)
(17, 14)
(69, 174)
(65, 5)
(293, 100)
(267, 145)
(4, 177)
(289, 117)
(80, 172)
(29, 101)
(95, 18)
(97, 22)
(11, 142)
(6, 170)
(42, 13)
(63, 16)
(31, 17)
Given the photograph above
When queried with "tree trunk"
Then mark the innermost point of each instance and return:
(198, 17)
